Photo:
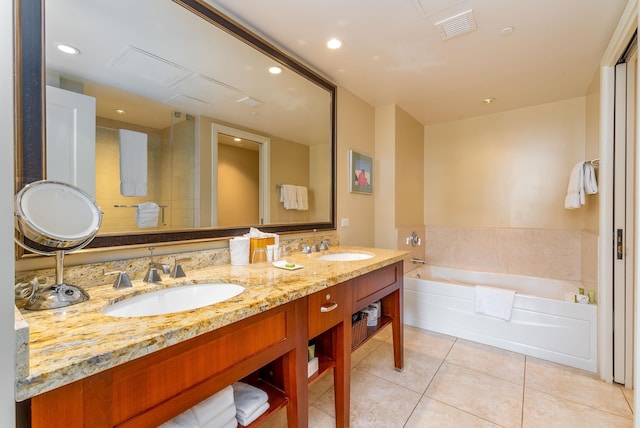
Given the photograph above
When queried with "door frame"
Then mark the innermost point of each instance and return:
(619, 41)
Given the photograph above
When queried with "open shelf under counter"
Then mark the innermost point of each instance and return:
(325, 364)
(373, 330)
(277, 400)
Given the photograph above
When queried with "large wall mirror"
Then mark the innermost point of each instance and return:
(171, 108)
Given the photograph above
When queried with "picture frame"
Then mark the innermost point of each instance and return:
(360, 173)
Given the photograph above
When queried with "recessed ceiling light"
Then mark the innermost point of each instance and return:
(120, 111)
(237, 139)
(68, 49)
(488, 100)
(275, 70)
(334, 44)
(506, 31)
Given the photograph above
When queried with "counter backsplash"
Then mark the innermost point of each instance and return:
(93, 274)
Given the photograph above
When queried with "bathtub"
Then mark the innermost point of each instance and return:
(542, 325)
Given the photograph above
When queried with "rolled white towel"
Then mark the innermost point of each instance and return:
(247, 399)
(231, 423)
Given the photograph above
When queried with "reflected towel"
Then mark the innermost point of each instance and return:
(495, 302)
(301, 197)
(575, 189)
(219, 404)
(246, 420)
(248, 399)
(133, 163)
(147, 214)
(590, 183)
(288, 196)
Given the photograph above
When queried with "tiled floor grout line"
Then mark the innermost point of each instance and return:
(524, 388)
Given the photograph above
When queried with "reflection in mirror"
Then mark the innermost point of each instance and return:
(158, 100)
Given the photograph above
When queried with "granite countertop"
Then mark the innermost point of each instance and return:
(68, 344)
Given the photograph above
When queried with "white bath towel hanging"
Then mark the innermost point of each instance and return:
(147, 214)
(133, 163)
(575, 190)
(495, 302)
(288, 196)
(302, 198)
(590, 183)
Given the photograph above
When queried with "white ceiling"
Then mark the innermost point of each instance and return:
(392, 54)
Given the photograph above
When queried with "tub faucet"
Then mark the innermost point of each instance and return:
(418, 261)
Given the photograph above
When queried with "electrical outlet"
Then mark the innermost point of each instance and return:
(344, 222)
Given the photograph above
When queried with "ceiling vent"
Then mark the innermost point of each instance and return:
(456, 25)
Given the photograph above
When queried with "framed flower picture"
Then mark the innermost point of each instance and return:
(360, 173)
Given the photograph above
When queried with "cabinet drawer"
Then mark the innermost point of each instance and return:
(375, 285)
(326, 309)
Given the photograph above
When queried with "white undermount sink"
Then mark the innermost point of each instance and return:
(172, 300)
(345, 257)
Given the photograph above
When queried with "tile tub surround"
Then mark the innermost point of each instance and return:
(72, 343)
(548, 253)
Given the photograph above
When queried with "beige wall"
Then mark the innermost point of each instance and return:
(289, 165)
(355, 131)
(319, 183)
(238, 186)
(409, 170)
(385, 177)
(508, 169)
(108, 175)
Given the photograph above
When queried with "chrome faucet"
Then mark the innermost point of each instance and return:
(122, 280)
(178, 271)
(152, 274)
(324, 245)
(418, 261)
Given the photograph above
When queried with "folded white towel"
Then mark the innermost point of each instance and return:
(133, 163)
(246, 420)
(147, 214)
(495, 302)
(247, 399)
(185, 419)
(288, 196)
(227, 415)
(590, 183)
(301, 198)
(575, 189)
(231, 423)
(216, 405)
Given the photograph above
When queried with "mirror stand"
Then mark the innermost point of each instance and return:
(61, 218)
(59, 295)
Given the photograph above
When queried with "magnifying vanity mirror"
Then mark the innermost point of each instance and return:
(55, 218)
(217, 133)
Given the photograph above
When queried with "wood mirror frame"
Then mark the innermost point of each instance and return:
(30, 107)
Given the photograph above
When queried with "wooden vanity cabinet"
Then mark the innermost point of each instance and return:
(329, 328)
(384, 285)
(152, 389)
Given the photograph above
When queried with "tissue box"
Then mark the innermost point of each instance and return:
(312, 367)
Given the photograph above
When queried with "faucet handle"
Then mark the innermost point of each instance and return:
(152, 275)
(324, 244)
(306, 249)
(178, 271)
(122, 281)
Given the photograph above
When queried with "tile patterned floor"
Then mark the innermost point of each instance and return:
(449, 382)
